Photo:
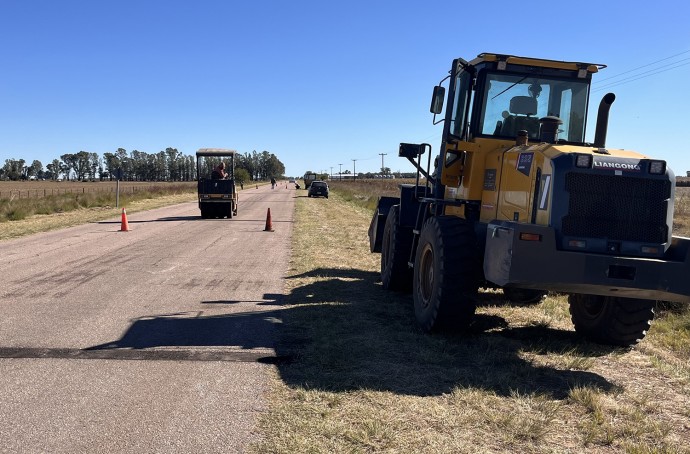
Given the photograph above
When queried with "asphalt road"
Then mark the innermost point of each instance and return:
(159, 339)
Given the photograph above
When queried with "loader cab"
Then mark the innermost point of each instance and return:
(496, 96)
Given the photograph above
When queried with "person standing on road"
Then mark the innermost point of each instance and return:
(273, 183)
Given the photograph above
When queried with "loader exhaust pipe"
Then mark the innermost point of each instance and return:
(603, 120)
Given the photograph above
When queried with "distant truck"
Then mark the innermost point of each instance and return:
(216, 187)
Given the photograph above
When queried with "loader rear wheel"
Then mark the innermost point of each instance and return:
(395, 253)
(611, 320)
(446, 277)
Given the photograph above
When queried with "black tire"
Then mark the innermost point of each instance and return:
(204, 212)
(446, 274)
(524, 296)
(395, 253)
(611, 320)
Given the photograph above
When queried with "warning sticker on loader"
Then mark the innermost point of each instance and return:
(490, 179)
(524, 163)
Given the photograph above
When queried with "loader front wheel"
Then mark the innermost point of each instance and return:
(611, 320)
(446, 274)
(395, 253)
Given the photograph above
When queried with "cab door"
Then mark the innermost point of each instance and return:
(518, 184)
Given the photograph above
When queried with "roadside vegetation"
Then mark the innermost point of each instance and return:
(15, 208)
(357, 375)
(681, 220)
(21, 217)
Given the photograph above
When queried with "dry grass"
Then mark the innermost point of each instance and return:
(44, 223)
(681, 221)
(19, 204)
(35, 189)
(98, 210)
(363, 378)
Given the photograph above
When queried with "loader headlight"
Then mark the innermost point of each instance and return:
(657, 167)
(583, 161)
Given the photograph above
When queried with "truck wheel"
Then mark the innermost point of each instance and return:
(395, 253)
(523, 295)
(204, 212)
(446, 278)
(611, 320)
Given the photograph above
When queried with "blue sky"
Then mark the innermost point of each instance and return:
(317, 83)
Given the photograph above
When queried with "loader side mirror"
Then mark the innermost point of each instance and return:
(410, 150)
(437, 99)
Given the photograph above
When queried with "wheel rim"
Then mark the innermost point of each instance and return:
(426, 275)
(592, 307)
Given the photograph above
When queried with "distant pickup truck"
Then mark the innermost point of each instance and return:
(216, 185)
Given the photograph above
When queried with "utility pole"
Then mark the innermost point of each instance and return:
(382, 167)
(354, 169)
(341, 172)
(331, 173)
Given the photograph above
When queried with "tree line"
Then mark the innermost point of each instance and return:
(166, 165)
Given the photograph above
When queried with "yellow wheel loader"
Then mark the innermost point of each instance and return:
(519, 200)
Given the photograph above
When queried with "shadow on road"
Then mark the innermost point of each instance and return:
(344, 332)
(246, 330)
(165, 219)
(194, 218)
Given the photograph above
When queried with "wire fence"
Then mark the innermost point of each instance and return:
(13, 194)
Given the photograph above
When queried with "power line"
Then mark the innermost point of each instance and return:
(638, 77)
(641, 75)
(643, 66)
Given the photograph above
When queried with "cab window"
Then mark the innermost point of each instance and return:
(514, 102)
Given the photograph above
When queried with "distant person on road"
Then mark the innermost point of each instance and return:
(273, 183)
(219, 172)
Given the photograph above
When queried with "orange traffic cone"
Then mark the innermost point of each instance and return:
(125, 224)
(269, 224)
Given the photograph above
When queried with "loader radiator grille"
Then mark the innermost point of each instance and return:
(617, 208)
